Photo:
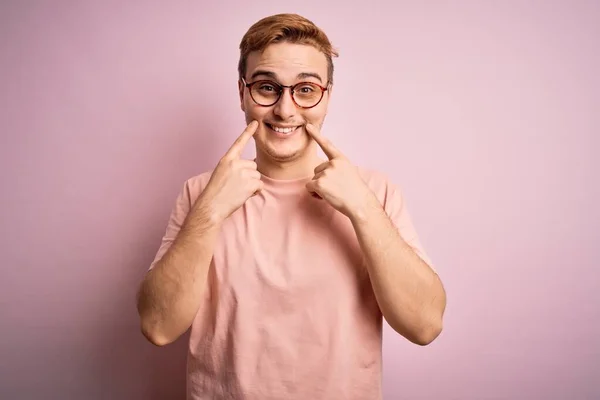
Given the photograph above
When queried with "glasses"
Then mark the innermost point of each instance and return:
(266, 93)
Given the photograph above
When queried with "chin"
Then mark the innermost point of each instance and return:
(283, 155)
(282, 149)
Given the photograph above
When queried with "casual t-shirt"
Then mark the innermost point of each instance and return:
(289, 311)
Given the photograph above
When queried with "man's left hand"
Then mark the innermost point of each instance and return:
(337, 181)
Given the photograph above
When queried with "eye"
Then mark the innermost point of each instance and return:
(306, 89)
(267, 87)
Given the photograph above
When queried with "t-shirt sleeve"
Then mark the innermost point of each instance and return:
(396, 209)
(178, 215)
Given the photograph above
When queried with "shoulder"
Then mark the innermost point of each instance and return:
(193, 186)
(380, 183)
(198, 182)
(388, 192)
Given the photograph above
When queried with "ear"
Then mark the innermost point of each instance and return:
(241, 88)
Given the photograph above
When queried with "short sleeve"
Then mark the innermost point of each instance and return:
(178, 215)
(395, 207)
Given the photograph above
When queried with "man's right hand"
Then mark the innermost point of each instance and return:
(233, 180)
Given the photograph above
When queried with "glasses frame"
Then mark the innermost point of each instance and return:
(282, 88)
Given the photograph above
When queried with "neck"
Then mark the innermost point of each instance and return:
(300, 167)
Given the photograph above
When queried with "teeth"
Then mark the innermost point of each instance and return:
(282, 130)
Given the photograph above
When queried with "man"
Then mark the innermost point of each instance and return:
(284, 266)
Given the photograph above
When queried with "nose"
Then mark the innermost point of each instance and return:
(285, 107)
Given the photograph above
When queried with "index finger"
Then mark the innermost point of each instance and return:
(328, 148)
(236, 148)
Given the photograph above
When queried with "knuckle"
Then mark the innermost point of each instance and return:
(247, 173)
(237, 165)
(226, 160)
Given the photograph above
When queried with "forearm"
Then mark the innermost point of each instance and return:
(409, 293)
(171, 293)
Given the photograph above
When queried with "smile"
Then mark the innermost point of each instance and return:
(286, 130)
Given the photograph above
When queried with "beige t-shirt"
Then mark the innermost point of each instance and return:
(289, 312)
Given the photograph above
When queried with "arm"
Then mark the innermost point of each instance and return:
(409, 293)
(170, 294)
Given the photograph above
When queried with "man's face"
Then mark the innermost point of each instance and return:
(284, 64)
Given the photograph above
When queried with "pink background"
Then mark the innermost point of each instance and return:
(487, 115)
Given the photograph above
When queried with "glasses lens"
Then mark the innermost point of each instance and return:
(307, 94)
(265, 93)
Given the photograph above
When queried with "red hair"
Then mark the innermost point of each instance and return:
(290, 28)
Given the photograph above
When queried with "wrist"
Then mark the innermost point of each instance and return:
(206, 210)
(362, 211)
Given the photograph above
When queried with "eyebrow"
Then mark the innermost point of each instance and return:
(302, 75)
